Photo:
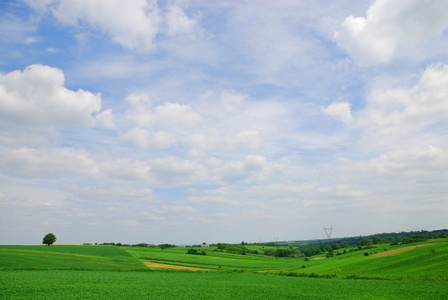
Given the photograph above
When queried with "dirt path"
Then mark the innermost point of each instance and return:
(390, 252)
(166, 266)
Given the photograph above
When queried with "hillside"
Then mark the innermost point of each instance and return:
(66, 257)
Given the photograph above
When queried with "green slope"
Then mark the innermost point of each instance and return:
(66, 257)
(427, 262)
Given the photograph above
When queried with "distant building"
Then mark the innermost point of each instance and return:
(204, 244)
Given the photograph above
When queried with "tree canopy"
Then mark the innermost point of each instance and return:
(49, 239)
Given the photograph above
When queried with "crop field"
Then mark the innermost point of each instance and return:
(213, 259)
(65, 284)
(111, 272)
(66, 257)
(425, 262)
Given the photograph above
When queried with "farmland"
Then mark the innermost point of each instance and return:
(108, 272)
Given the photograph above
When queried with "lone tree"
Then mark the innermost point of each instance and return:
(49, 239)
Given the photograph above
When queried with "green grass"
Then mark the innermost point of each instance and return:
(66, 257)
(418, 263)
(66, 284)
(109, 272)
(213, 259)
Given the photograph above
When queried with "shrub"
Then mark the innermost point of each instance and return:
(196, 251)
(366, 253)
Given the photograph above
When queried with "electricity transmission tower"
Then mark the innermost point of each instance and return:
(328, 231)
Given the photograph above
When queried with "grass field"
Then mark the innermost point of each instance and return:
(213, 259)
(65, 284)
(426, 262)
(67, 257)
(109, 272)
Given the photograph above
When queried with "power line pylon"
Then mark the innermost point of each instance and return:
(328, 231)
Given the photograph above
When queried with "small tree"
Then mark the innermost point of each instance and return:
(49, 239)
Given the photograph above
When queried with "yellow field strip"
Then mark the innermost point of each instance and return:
(166, 266)
(390, 252)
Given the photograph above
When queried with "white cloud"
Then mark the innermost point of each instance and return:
(178, 22)
(47, 163)
(253, 168)
(31, 40)
(174, 171)
(231, 100)
(36, 97)
(105, 119)
(141, 138)
(389, 25)
(162, 139)
(414, 165)
(340, 111)
(395, 113)
(133, 25)
(212, 139)
(137, 137)
(163, 117)
(123, 194)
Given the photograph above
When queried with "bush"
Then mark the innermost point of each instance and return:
(366, 253)
(196, 251)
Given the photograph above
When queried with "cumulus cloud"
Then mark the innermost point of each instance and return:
(413, 165)
(133, 25)
(388, 25)
(141, 138)
(65, 163)
(340, 111)
(137, 137)
(213, 139)
(123, 194)
(36, 97)
(162, 117)
(48, 163)
(393, 113)
(178, 22)
(105, 119)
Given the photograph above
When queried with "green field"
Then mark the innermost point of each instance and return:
(110, 272)
(204, 285)
(66, 257)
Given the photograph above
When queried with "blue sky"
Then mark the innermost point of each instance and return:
(221, 121)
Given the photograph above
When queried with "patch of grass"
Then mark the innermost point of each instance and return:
(66, 257)
(210, 285)
(214, 259)
(418, 263)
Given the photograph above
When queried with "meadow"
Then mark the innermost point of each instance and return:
(111, 272)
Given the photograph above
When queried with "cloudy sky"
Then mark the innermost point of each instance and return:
(221, 121)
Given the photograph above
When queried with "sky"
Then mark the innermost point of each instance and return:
(184, 122)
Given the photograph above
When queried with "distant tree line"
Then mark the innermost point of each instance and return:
(381, 238)
(234, 248)
(162, 246)
(319, 247)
